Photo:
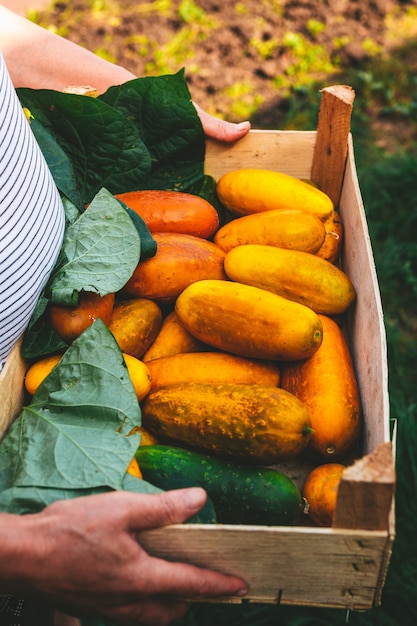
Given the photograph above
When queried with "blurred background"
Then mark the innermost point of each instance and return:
(266, 60)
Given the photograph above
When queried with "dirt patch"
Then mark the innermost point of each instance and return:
(243, 58)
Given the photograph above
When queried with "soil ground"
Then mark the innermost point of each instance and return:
(241, 59)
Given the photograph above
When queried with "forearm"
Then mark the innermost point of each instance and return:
(39, 59)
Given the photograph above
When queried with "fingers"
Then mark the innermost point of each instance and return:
(132, 511)
(183, 580)
(170, 507)
(220, 129)
(126, 584)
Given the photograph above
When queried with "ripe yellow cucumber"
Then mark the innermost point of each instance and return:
(253, 424)
(333, 227)
(134, 324)
(211, 367)
(172, 339)
(299, 276)
(248, 321)
(252, 190)
(293, 229)
(326, 383)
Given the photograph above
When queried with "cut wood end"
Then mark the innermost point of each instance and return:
(345, 93)
(377, 466)
(82, 91)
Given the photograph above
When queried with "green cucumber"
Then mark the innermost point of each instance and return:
(240, 494)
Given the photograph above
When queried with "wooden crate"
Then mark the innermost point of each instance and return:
(343, 566)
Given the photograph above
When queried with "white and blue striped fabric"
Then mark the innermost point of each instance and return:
(31, 218)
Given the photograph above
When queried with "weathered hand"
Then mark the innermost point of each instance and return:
(84, 558)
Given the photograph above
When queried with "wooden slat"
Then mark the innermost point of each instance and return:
(82, 91)
(11, 388)
(314, 566)
(366, 491)
(290, 152)
(369, 349)
(332, 139)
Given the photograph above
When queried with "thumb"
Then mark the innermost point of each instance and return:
(220, 129)
(169, 507)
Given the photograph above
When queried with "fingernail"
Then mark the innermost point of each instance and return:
(242, 592)
(194, 498)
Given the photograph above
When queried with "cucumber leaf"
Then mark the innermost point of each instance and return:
(109, 258)
(79, 431)
(40, 338)
(78, 434)
(206, 188)
(147, 242)
(103, 148)
(162, 110)
(59, 162)
(100, 251)
(142, 134)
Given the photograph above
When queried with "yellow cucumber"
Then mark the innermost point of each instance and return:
(299, 276)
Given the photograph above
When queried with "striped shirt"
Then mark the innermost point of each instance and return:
(31, 218)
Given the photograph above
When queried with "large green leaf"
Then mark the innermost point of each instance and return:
(162, 110)
(103, 147)
(40, 338)
(78, 432)
(148, 244)
(142, 134)
(59, 161)
(100, 252)
(101, 249)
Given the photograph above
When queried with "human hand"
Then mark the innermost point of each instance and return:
(219, 129)
(83, 558)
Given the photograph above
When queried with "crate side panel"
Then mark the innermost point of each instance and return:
(11, 388)
(313, 566)
(290, 152)
(366, 324)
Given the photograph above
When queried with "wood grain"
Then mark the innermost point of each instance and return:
(331, 146)
(11, 388)
(366, 491)
(308, 566)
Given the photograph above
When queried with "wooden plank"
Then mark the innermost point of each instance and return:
(314, 566)
(366, 491)
(369, 349)
(82, 91)
(290, 152)
(11, 388)
(331, 146)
